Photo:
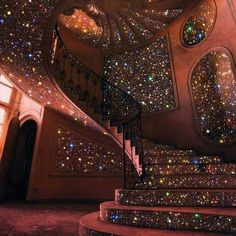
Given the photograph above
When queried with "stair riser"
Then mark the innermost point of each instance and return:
(195, 181)
(151, 151)
(191, 169)
(176, 198)
(161, 160)
(170, 220)
(151, 146)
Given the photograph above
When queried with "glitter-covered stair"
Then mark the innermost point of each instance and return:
(189, 181)
(180, 191)
(195, 168)
(179, 197)
(91, 225)
(180, 159)
(151, 219)
(184, 218)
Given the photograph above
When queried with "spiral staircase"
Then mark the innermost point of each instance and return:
(164, 187)
(117, 24)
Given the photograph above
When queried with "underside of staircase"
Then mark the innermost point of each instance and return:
(164, 187)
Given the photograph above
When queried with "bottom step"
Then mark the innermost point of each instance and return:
(91, 225)
(220, 220)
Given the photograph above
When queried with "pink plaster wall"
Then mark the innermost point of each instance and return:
(178, 126)
(44, 185)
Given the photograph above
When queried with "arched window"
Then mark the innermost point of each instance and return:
(200, 24)
(213, 87)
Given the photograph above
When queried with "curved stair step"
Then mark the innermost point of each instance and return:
(222, 220)
(166, 159)
(91, 225)
(179, 197)
(190, 169)
(189, 181)
(174, 152)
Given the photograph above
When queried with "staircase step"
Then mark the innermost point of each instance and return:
(180, 197)
(157, 147)
(173, 152)
(148, 145)
(222, 220)
(199, 169)
(189, 181)
(91, 225)
(160, 159)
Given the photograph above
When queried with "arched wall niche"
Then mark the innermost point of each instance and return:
(199, 24)
(213, 92)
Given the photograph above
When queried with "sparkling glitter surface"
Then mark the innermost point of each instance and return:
(117, 24)
(214, 95)
(188, 181)
(84, 26)
(78, 155)
(145, 74)
(181, 159)
(200, 24)
(168, 14)
(140, 29)
(170, 220)
(21, 29)
(130, 36)
(197, 198)
(195, 168)
(150, 22)
(115, 34)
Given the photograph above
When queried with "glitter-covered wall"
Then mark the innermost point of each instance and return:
(181, 126)
(145, 74)
(214, 93)
(200, 24)
(78, 155)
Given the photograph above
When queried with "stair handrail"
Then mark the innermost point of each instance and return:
(125, 125)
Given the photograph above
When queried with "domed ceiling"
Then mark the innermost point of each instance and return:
(22, 24)
(117, 24)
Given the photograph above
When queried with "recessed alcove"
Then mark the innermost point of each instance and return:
(199, 24)
(213, 87)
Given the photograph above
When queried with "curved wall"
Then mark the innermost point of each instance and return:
(179, 127)
(213, 89)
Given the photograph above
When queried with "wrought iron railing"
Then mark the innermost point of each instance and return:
(86, 88)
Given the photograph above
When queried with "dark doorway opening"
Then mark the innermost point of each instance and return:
(20, 166)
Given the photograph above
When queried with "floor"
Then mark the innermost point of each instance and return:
(56, 219)
(19, 218)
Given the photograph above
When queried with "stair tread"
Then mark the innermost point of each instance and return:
(92, 222)
(180, 190)
(192, 164)
(194, 210)
(197, 176)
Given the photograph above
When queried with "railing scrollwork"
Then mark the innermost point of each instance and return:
(82, 85)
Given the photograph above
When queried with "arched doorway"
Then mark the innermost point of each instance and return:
(20, 167)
